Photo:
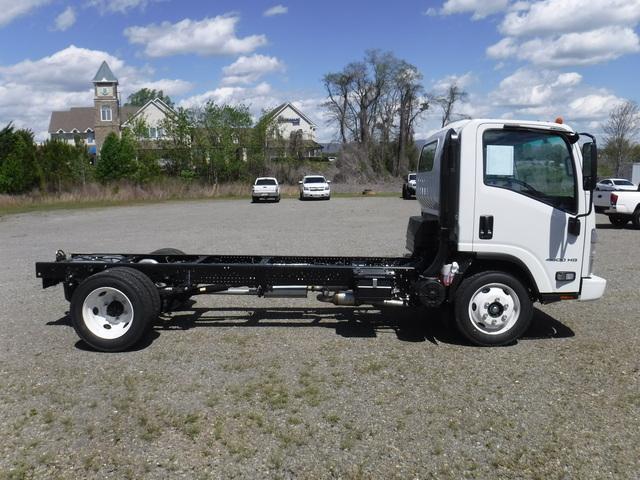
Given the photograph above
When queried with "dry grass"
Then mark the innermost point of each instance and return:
(96, 195)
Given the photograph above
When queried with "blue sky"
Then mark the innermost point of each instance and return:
(528, 59)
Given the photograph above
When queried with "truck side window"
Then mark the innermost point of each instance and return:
(536, 164)
(427, 157)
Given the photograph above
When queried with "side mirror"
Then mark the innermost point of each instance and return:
(589, 165)
(328, 181)
(300, 182)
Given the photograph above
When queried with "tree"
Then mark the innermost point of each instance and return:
(142, 96)
(225, 135)
(621, 130)
(412, 103)
(338, 86)
(375, 103)
(17, 160)
(117, 159)
(179, 146)
(447, 102)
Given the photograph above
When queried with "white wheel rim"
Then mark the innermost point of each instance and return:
(107, 313)
(494, 308)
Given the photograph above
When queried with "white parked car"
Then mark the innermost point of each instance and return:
(265, 188)
(315, 186)
(613, 184)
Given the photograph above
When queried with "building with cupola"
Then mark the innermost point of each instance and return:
(91, 125)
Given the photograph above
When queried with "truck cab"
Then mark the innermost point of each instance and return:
(511, 203)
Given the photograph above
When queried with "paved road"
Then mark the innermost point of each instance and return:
(247, 388)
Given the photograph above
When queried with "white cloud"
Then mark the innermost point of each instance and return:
(561, 33)
(462, 81)
(584, 48)
(30, 90)
(595, 107)
(65, 20)
(119, 6)
(247, 70)
(70, 69)
(211, 36)
(258, 97)
(12, 9)
(553, 17)
(479, 8)
(546, 94)
(276, 10)
(505, 48)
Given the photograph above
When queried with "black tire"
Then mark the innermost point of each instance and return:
(92, 321)
(404, 192)
(278, 199)
(301, 197)
(635, 218)
(618, 221)
(151, 288)
(253, 200)
(179, 299)
(167, 251)
(510, 296)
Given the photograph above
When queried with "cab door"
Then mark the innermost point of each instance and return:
(528, 187)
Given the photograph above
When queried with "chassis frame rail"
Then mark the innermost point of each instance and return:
(380, 275)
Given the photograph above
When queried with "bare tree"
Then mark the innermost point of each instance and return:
(448, 101)
(621, 129)
(412, 103)
(375, 103)
(338, 86)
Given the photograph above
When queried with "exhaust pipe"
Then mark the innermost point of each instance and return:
(339, 298)
(286, 291)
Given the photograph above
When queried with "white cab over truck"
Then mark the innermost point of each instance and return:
(506, 220)
(624, 206)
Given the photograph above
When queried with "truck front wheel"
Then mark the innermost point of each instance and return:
(492, 308)
(112, 310)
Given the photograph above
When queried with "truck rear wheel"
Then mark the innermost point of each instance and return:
(167, 251)
(635, 218)
(179, 299)
(492, 308)
(113, 309)
(618, 221)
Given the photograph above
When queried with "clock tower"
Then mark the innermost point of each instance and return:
(106, 104)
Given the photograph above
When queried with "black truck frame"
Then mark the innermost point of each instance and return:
(163, 280)
(371, 279)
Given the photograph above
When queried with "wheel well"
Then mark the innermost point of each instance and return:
(507, 265)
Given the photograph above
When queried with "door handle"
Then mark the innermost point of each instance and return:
(486, 227)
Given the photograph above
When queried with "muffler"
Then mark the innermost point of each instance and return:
(286, 291)
(339, 298)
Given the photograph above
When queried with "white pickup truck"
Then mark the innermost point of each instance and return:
(624, 206)
(265, 188)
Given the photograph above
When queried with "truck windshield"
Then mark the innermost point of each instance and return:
(314, 180)
(412, 176)
(265, 181)
(531, 163)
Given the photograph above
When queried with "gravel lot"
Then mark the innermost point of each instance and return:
(253, 388)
